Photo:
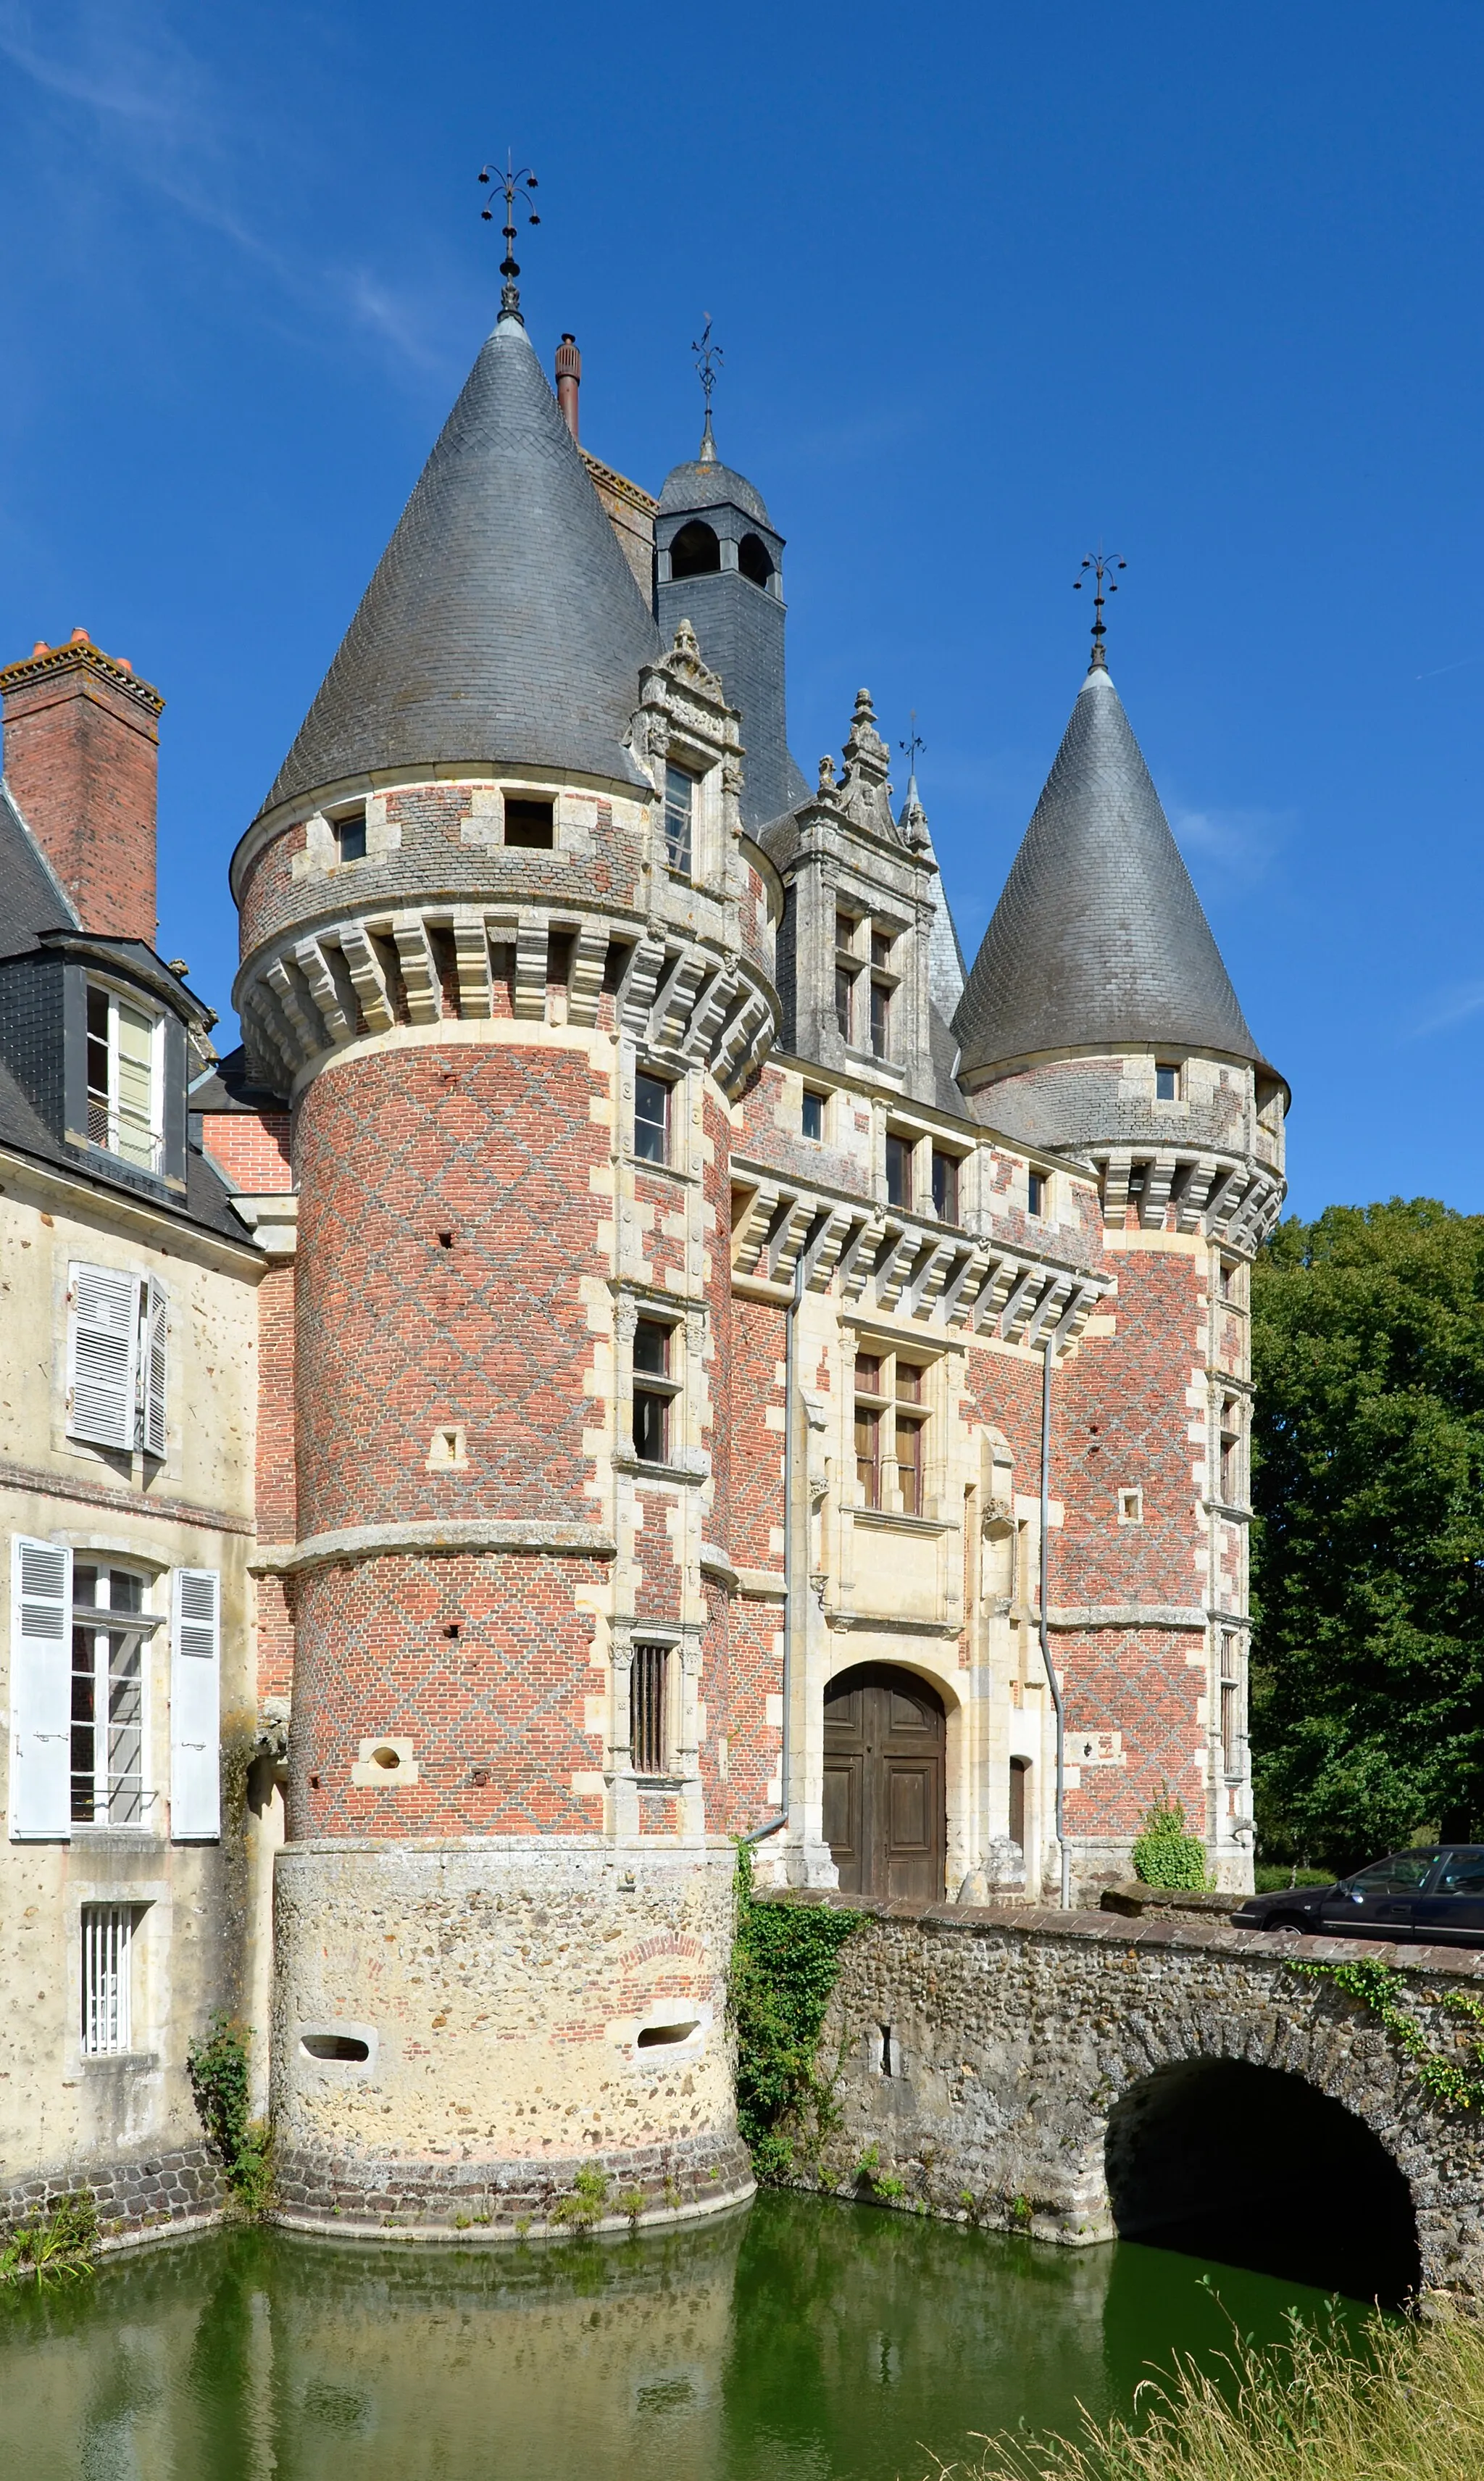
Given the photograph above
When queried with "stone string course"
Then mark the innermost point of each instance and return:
(1016, 2030)
(157, 2192)
(353, 2195)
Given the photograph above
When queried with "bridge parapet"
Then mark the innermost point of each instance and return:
(979, 2056)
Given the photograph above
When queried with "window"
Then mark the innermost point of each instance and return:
(1166, 1082)
(653, 1392)
(909, 1440)
(1130, 1507)
(1020, 1768)
(529, 825)
(880, 1019)
(679, 817)
(110, 1631)
(1230, 1454)
(753, 561)
(350, 836)
(649, 1683)
(107, 1995)
(1231, 1705)
(1401, 1876)
(1036, 1185)
(891, 1422)
(898, 1170)
(945, 1187)
(116, 1359)
(126, 1114)
(651, 1119)
(811, 1117)
(844, 1003)
(695, 551)
(881, 946)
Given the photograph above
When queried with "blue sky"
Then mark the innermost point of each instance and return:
(992, 282)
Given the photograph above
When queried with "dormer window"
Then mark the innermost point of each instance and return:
(350, 835)
(679, 817)
(126, 1053)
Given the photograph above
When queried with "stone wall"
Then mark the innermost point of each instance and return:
(981, 2054)
(181, 2189)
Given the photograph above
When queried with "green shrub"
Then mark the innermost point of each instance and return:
(61, 2246)
(216, 2065)
(584, 2205)
(1271, 1877)
(1166, 1854)
(785, 1963)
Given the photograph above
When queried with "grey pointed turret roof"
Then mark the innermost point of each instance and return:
(1099, 936)
(502, 624)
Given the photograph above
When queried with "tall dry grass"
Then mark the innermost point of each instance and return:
(1409, 2406)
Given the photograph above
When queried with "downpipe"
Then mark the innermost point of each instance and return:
(772, 1825)
(1053, 1682)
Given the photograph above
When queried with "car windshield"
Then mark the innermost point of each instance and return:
(1401, 1874)
(1463, 1874)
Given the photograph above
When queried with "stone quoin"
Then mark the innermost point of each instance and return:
(568, 1391)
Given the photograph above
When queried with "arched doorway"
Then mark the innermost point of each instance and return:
(1254, 2167)
(885, 1818)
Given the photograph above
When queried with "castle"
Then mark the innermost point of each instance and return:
(638, 1350)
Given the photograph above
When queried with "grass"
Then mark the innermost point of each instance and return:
(1409, 2406)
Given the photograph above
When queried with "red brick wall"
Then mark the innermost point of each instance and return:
(398, 1335)
(250, 1149)
(81, 750)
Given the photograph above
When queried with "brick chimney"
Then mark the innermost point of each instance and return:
(81, 745)
(569, 378)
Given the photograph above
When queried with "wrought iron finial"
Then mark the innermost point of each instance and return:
(911, 749)
(509, 181)
(1102, 565)
(709, 360)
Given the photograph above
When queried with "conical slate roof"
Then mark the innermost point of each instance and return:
(502, 624)
(1099, 937)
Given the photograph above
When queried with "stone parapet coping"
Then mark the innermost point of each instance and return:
(1108, 1929)
(434, 1538)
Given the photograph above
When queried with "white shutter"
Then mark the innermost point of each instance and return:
(152, 1374)
(41, 1691)
(195, 1705)
(104, 1356)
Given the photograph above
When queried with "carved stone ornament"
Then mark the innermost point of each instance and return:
(625, 1320)
(865, 793)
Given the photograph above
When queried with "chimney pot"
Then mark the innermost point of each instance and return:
(569, 378)
(80, 637)
(80, 746)
(40, 648)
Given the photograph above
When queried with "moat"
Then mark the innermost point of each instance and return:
(792, 2340)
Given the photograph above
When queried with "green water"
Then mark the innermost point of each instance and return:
(793, 2341)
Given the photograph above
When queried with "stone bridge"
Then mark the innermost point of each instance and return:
(1079, 2076)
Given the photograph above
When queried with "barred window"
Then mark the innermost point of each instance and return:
(107, 1995)
(649, 1683)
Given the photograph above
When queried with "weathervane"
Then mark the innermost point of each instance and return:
(708, 359)
(1102, 565)
(912, 749)
(509, 181)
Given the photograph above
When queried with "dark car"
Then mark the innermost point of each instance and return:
(1433, 1896)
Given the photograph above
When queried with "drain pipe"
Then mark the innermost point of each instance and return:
(771, 1825)
(1045, 1642)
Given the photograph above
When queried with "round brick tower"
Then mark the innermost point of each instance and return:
(1099, 1021)
(502, 948)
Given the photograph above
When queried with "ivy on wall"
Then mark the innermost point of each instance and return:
(1378, 1986)
(785, 1964)
(216, 2065)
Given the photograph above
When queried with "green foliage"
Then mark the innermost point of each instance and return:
(1408, 2407)
(785, 1963)
(1270, 1878)
(1379, 1987)
(57, 2250)
(216, 2065)
(1166, 1853)
(870, 2174)
(1367, 1687)
(584, 2205)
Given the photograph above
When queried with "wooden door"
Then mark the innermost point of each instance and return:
(884, 1810)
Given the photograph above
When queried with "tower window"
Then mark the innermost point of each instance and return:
(1130, 1507)
(529, 825)
(350, 835)
(1036, 1186)
(811, 1117)
(880, 1019)
(844, 1001)
(651, 1118)
(653, 1392)
(1166, 1082)
(945, 1187)
(695, 551)
(679, 817)
(754, 562)
(898, 1170)
(125, 1100)
(649, 1683)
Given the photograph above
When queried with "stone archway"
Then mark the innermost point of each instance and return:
(1255, 2167)
(885, 1793)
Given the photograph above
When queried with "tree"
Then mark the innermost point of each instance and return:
(1367, 1682)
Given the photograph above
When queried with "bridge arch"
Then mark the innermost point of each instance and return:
(1257, 2166)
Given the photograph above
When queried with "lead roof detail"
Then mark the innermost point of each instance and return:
(503, 625)
(1099, 937)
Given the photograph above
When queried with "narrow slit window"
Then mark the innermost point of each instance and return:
(651, 1119)
(1130, 1507)
(529, 825)
(1018, 1770)
(898, 1170)
(811, 1117)
(844, 1003)
(945, 1186)
(649, 1682)
(107, 2026)
(679, 817)
(880, 1020)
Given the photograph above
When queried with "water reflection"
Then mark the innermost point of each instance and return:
(817, 2341)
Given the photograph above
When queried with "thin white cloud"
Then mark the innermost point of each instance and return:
(1450, 1007)
(1241, 843)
